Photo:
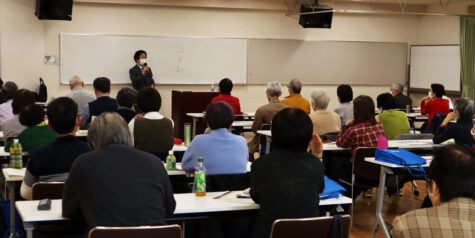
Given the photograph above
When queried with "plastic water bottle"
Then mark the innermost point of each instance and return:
(212, 87)
(200, 178)
(171, 161)
(16, 152)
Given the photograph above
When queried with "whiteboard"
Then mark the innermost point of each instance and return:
(435, 64)
(173, 60)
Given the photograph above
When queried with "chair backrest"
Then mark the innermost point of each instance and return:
(225, 182)
(409, 136)
(263, 138)
(169, 231)
(309, 227)
(362, 169)
(51, 190)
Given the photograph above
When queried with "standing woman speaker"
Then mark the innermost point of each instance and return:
(141, 75)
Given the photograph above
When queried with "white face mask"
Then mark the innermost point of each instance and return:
(430, 94)
(143, 61)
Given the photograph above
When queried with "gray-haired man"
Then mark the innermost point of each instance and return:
(117, 185)
(400, 99)
(264, 114)
(80, 95)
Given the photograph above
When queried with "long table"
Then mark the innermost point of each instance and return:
(387, 168)
(188, 207)
(199, 116)
(425, 144)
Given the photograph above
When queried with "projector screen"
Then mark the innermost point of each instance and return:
(435, 64)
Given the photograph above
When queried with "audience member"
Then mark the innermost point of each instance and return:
(363, 130)
(400, 100)
(459, 131)
(12, 127)
(103, 103)
(324, 121)
(264, 114)
(451, 188)
(434, 104)
(223, 152)
(80, 95)
(116, 185)
(37, 134)
(8, 90)
(225, 88)
(153, 133)
(127, 99)
(394, 122)
(52, 162)
(295, 99)
(345, 96)
(286, 182)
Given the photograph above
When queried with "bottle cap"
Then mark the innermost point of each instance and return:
(15, 141)
(170, 152)
(200, 159)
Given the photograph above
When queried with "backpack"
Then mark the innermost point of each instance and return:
(42, 92)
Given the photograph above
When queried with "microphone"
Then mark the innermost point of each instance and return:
(145, 65)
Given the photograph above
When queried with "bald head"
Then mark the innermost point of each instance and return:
(295, 86)
(75, 81)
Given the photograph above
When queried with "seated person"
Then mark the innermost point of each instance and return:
(52, 162)
(459, 131)
(286, 182)
(223, 152)
(451, 188)
(38, 134)
(345, 96)
(12, 127)
(400, 100)
(80, 95)
(117, 185)
(103, 103)
(127, 98)
(8, 91)
(264, 114)
(363, 130)
(324, 121)
(153, 133)
(433, 104)
(295, 99)
(394, 122)
(225, 87)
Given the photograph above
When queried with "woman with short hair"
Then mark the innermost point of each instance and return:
(459, 131)
(345, 96)
(286, 182)
(434, 103)
(222, 151)
(394, 122)
(324, 121)
(12, 127)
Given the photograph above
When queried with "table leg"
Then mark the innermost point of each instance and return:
(194, 127)
(267, 145)
(29, 227)
(379, 205)
(11, 187)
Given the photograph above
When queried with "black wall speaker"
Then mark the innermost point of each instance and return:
(54, 9)
(316, 20)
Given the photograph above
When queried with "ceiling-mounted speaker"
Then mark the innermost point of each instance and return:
(316, 20)
(54, 9)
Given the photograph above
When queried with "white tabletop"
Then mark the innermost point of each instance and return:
(186, 203)
(200, 114)
(389, 165)
(11, 175)
(402, 144)
(243, 123)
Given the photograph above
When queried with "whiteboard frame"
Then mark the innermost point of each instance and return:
(410, 90)
(166, 84)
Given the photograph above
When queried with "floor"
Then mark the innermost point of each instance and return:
(364, 217)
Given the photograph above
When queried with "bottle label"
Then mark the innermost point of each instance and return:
(200, 182)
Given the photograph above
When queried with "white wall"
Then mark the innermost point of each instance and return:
(171, 21)
(21, 43)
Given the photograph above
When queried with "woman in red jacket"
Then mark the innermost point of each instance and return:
(434, 103)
